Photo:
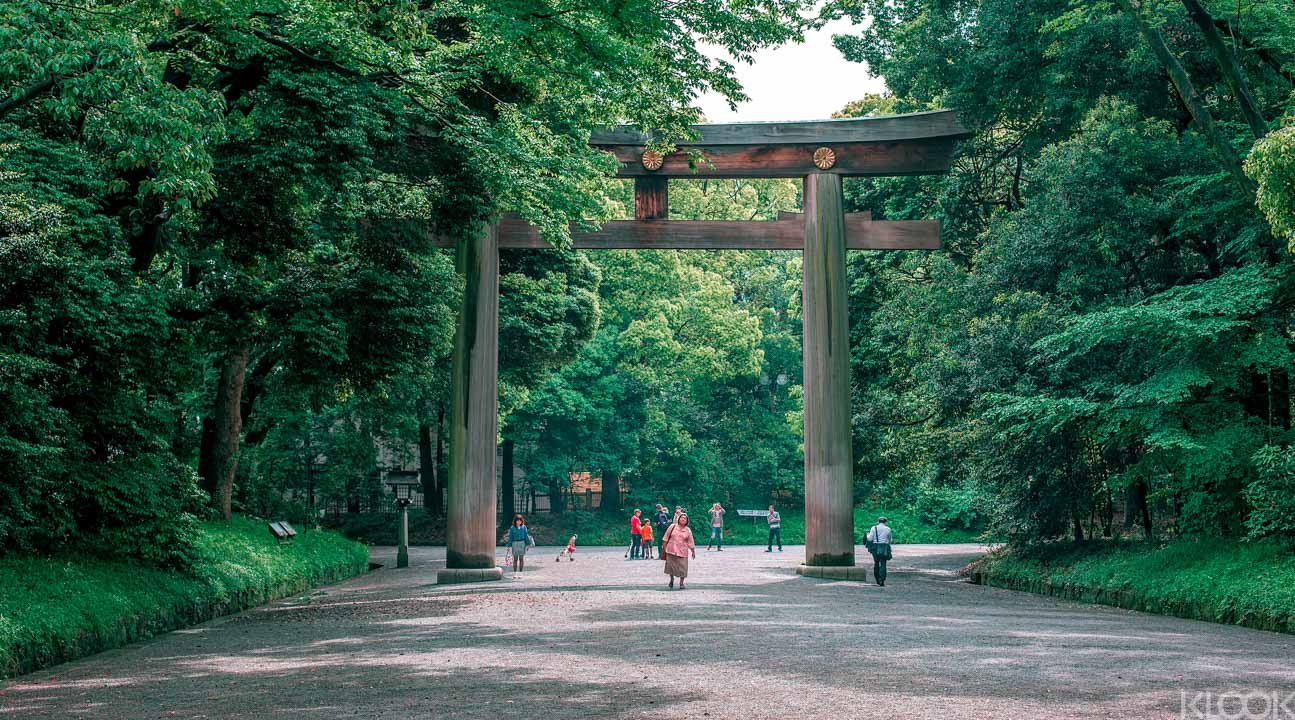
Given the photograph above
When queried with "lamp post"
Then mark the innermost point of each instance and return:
(402, 485)
(767, 384)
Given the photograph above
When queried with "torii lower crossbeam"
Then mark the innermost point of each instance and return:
(786, 233)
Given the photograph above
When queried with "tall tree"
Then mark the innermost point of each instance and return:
(271, 175)
(1060, 352)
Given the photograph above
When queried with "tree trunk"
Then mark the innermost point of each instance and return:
(1141, 507)
(1108, 511)
(311, 515)
(252, 389)
(427, 470)
(435, 502)
(1268, 398)
(1130, 508)
(1275, 59)
(1227, 62)
(1077, 526)
(206, 464)
(557, 502)
(1195, 105)
(506, 488)
(610, 501)
(1279, 385)
(352, 496)
(227, 426)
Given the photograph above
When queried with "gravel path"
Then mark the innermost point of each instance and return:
(601, 637)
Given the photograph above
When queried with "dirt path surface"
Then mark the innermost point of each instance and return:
(601, 637)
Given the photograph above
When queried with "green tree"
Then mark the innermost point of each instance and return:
(1110, 316)
(228, 202)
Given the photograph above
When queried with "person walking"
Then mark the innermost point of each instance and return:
(775, 529)
(878, 543)
(677, 545)
(519, 538)
(662, 520)
(636, 534)
(716, 526)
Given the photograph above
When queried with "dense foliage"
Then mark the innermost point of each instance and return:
(223, 284)
(1108, 330)
(217, 267)
(688, 388)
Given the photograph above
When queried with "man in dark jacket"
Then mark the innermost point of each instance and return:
(660, 522)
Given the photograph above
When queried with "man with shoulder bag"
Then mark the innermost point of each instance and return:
(878, 544)
(662, 520)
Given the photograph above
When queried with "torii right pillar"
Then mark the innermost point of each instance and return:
(829, 484)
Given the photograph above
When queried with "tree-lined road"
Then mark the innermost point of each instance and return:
(601, 637)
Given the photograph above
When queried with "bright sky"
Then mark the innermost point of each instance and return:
(809, 81)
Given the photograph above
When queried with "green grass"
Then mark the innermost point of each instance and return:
(1251, 584)
(53, 609)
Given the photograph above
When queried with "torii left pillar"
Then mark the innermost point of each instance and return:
(474, 415)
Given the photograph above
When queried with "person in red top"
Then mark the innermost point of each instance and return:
(636, 534)
(570, 551)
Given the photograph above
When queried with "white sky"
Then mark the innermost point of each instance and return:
(809, 81)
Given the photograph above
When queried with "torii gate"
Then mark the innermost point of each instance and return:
(822, 152)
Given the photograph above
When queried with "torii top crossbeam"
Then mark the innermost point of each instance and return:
(915, 144)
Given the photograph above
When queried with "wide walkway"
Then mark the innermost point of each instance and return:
(601, 637)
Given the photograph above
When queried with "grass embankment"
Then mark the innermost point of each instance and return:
(54, 609)
(597, 528)
(1250, 584)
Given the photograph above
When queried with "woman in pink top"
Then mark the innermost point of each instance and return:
(677, 544)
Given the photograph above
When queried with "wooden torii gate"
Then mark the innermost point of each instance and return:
(821, 152)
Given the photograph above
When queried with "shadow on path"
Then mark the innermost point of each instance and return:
(602, 638)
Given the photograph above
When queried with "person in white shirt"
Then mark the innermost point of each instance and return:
(775, 529)
(716, 526)
(878, 543)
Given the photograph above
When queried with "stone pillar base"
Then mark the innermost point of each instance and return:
(454, 576)
(834, 572)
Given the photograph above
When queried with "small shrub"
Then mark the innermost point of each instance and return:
(1271, 495)
(949, 507)
(1243, 583)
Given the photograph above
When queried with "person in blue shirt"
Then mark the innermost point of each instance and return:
(519, 538)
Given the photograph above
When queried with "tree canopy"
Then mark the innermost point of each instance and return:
(217, 250)
(221, 288)
(1111, 317)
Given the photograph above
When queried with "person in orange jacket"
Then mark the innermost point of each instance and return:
(645, 532)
